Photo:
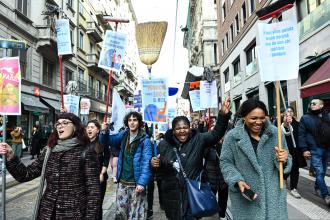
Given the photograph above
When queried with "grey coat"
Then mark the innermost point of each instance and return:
(238, 161)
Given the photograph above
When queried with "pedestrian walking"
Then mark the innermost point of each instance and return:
(133, 170)
(103, 154)
(249, 162)
(314, 141)
(36, 142)
(298, 161)
(69, 169)
(17, 136)
(190, 144)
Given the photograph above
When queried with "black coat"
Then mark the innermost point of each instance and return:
(192, 151)
(36, 142)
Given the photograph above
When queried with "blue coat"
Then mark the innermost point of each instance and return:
(238, 161)
(142, 154)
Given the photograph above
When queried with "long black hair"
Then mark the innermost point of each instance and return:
(98, 146)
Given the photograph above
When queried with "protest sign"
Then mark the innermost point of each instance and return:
(71, 103)
(137, 103)
(85, 105)
(183, 108)
(63, 37)
(278, 52)
(208, 94)
(154, 99)
(113, 51)
(10, 86)
(118, 112)
(195, 100)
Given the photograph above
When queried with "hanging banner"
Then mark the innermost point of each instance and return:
(137, 103)
(71, 103)
(183, 108)
(118, 112)
(64, 45)
(195, 100)
(10, 86)
(208, 94)
(113, 51)
(154, 99)
(85, 105)
(278, 53)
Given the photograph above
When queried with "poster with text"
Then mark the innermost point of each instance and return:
(113, 51)
(195, 100)
(64, 45)
(278, 52)
(85, 105)
(10, 86)
(71, 104)
(208, 94)
(154, 99)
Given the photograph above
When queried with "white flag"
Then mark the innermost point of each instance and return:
(118, 112)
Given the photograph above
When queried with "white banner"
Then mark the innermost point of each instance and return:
(208, 94)
(118, 112)
(63, 37)
(195, 100)
(278, 53)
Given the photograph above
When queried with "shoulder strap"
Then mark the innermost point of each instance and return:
(179, 161)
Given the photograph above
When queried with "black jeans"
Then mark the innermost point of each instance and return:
(103, 186)
(150, 193)
(222, 200)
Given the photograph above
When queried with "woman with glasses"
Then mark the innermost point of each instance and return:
(249, 163)
(103, 153)
(70, 170)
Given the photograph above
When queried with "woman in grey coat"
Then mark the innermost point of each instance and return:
(250, 160)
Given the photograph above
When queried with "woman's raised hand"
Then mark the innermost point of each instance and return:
(7, 151)
(225, 107)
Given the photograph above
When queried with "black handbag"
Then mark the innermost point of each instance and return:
(202, 200)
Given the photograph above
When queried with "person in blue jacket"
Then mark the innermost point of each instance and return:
(133, 169)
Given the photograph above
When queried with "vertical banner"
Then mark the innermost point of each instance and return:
(278, 52)
(10, 86)
(195, 100)
(64, 45)
(154, 99)
(118, 112)
(85, 105)
(113, 51)
(208, 94)
(137, 103)
(71, 103)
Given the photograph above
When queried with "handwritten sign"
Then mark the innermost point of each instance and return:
(208, 94)
(63, 37)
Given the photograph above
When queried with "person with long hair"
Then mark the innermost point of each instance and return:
(103, 153)
(70, 170)
(249, 162)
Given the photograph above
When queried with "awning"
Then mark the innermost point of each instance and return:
(32, 104)
(55, 104)
(318, 83)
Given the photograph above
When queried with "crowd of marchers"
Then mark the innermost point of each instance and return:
(240, 161)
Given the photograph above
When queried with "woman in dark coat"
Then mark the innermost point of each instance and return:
(36, 142)
(103, 154)
(190, 145)
(70, 170)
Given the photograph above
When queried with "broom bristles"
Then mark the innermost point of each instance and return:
(149, 38)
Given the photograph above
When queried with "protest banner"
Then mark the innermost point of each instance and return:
(118, 112)
(137, 103)
(113, 51)
(71, 103)
(64, 45)
(195, 100)
(85, 105)
(10, 86)
(278, 52)
(208, 94)
(154, 100)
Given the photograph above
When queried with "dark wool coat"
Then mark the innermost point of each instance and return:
(174, 198)
(36, 142)
(72, 189)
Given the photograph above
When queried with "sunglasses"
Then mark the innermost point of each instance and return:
(313, 103)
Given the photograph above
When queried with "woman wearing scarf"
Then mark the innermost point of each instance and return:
(69, 173)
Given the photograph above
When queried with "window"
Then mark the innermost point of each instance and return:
(226, 75)
(237, 24)
(22, 54)
(252, 6)
(90, 48)
(47, 73)
(98, 88)
(105, 90)
(232, 33)
(223, 12)
(227, 41)
(81, 75)
(70, 3)
(237, 66)
(81, 40)
(222, 47)
(71, 36)
(91, 84)
(22, 6)
(243, 13)
(251, 53)
(81, 83)
(68, 76)
(215, 54)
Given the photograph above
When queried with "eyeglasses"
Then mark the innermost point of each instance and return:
(63, 123)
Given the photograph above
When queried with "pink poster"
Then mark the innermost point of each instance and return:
(10, 86)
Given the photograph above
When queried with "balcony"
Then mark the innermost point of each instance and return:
(94, 31)
(237, 79)
(99, 95)
(92, 61)
(46, 39)
(252, 68)
(82, 87)
(227, 86)
(313, 21)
